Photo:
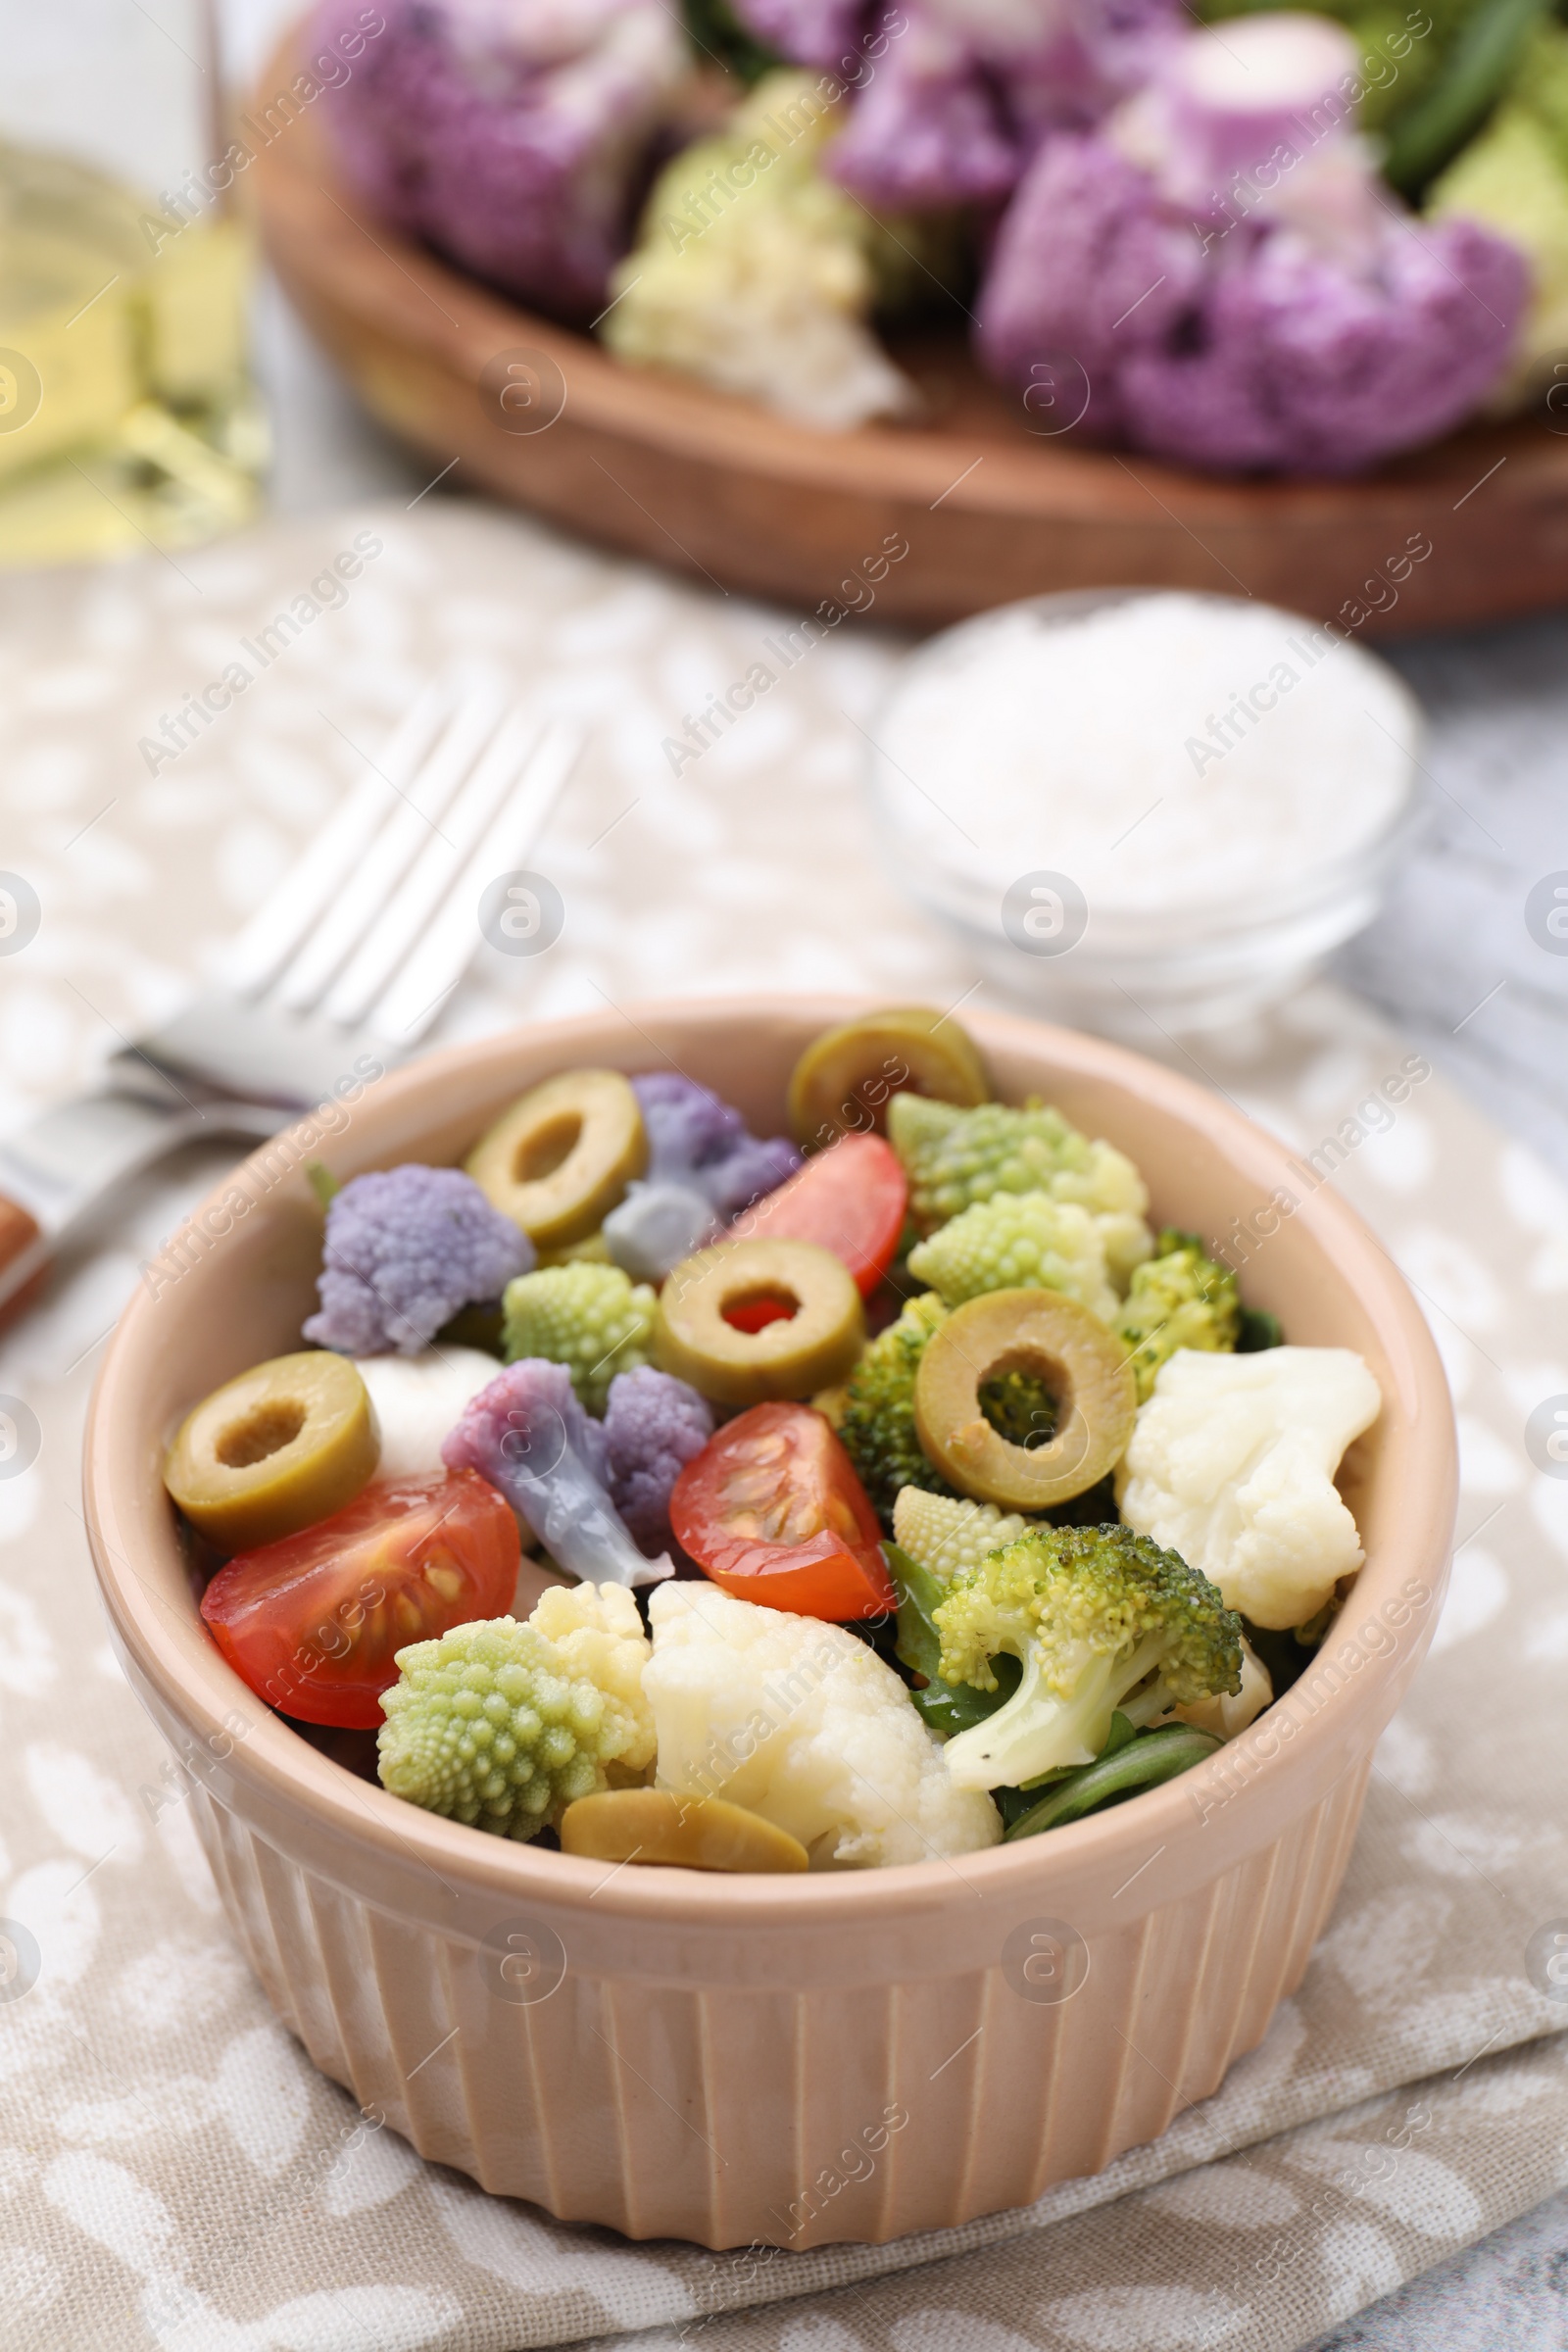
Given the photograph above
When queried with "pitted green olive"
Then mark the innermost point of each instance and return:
(845, 1077)
(809, 1345)
(655, 1825)
(559, 1160)
(1087, 1368)
(286, 1443)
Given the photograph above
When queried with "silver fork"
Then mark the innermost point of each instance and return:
(348, 962)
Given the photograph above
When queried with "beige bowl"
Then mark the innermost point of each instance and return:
(760, 2060)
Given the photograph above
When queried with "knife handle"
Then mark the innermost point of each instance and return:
(23, 1264)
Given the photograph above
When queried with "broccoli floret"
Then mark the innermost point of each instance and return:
(1017, 1241)
(653, 1426)
(503, 1725)
(1101, 1621)
(529, 1435)
(956, 1158)
(1179, 1298)
(406, 1248)
(704, 1168)
(590, 1318)
(876, 1419)
(949, 1535)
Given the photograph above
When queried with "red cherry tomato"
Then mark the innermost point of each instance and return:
(771, 1509)
(851, 1198)
(313, 1622)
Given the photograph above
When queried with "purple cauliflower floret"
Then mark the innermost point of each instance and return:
(953, 97)
(528, 1434)
(654, 1425)
(510, 133)
(759, 1165)
(1300, 320)
(703, 1169)
(695, 1139)
(406, 1248)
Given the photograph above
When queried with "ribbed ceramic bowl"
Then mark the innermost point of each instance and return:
(736, 2060)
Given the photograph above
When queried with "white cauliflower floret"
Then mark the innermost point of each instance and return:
(419, 1399)
(803, 1723)
(949, 1535)
(598, 1634)
(1232, 1710)
(1232, 1465)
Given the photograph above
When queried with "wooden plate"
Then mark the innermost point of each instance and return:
(989, 511)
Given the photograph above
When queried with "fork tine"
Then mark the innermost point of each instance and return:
(286, 913)
(366, 891)
(429, 877)
(441, 957)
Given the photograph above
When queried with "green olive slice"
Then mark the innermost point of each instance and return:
(1088, 1369)
(845, 1077)
(286, 1443)
(655, 1825)
(810, 1347)
(559, 1160)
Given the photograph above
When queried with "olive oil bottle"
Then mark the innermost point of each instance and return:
(127, 414)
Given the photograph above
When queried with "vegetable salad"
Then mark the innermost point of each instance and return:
(864, 1496)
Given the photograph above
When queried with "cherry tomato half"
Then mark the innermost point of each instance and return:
(314, 1621)
(851, 1198)
(772, 1512)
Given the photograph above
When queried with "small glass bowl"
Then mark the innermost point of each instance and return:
(1195, 962)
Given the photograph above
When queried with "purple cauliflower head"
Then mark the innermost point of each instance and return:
(529, 1435)
(510, 133)
(953, 97)
(1300, 320)
(406, 1248)
(654, 1425)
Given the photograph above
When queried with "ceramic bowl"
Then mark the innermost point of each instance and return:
(733, 2060)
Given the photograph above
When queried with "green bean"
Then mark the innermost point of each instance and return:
(1471, 79)
(1143, 1763)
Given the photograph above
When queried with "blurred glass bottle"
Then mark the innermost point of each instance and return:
(127, 409)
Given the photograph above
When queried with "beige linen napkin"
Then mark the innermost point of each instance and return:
(172, 2172)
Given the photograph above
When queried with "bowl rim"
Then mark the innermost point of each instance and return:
(181, 1666)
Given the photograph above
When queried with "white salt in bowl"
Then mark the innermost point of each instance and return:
(1141, 806)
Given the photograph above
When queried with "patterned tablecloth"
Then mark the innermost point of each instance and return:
(172, 2172)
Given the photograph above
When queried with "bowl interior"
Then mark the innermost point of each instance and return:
(238, 1280)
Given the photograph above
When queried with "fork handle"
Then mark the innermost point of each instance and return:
(24, 1258)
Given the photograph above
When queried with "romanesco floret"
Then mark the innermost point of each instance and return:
(1101, 1621)
(1178, 1299)
(406, 1248)
(503, 1725)
(875, 1419)
(1017, 1241)
(756, 273)
(801, 1722)
(591, 1318)
(950, 1535)
(956, 1158)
